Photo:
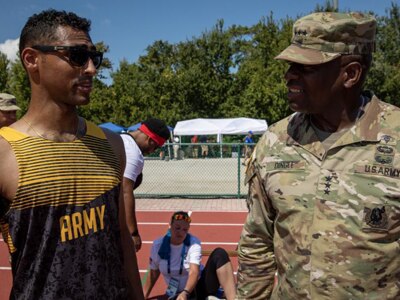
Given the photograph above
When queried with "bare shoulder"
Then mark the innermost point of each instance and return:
(8, 171)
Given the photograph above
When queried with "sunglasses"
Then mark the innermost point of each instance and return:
(182, 216)
(77, 55)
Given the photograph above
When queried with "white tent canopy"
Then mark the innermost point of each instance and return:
(220, 126)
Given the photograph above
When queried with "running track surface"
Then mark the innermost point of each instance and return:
(214, 229)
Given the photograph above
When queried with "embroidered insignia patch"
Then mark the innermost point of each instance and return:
(329, 182)
(386, 138)
(376, 217)
(383, 159)
(384, 154)
(385, 149)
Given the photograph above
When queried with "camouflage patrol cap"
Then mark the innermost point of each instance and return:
(324, 36)
(8, 102)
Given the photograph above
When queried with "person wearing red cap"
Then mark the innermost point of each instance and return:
(151, 135)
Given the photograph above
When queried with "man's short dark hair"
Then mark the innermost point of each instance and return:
(158, 127)
(42, 28)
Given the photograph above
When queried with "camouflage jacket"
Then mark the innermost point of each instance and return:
(326, 222)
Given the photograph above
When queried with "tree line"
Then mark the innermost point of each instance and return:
(224, 72)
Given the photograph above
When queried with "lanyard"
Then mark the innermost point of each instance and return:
(182, 258)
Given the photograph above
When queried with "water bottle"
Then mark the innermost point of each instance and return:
(220, 293)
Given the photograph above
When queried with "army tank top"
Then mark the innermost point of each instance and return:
(62, 227)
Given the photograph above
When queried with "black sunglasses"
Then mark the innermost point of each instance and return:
(77, 55)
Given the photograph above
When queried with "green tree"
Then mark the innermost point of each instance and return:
(100, 106)
(153, 96)
(4, 62)
(200, 77)
(19, 85)
(327, 7)
(128, 101)
(259, 89)
(385, 72)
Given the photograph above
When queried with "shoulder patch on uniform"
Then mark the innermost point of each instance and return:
(385, 149)
(250, 173)
(387, 139)
(375, 218)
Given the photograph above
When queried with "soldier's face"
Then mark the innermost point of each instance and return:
(313, 88)
(7, 117)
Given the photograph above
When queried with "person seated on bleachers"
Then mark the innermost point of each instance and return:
(177, 256)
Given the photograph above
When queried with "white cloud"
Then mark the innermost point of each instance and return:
(10, 48)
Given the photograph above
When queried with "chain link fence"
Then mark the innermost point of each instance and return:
(186, 170)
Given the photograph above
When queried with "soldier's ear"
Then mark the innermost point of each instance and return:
(351, 74)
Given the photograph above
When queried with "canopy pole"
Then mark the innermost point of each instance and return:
(220, 144)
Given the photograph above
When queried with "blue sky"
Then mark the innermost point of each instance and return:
(129, 26)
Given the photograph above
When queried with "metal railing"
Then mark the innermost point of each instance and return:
(185, 170)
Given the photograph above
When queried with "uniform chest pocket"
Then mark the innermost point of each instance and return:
(284, 179)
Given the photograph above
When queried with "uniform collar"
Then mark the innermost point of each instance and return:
(366, 129)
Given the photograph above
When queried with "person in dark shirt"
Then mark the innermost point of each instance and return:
(62, 210)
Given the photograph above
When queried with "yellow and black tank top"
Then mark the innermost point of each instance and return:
(62, 227)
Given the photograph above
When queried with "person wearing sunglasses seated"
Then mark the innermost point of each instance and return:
(61, 201)
(151, 135)
(177, 256)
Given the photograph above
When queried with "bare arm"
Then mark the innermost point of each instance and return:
(129, 252)
(130, 211)
(150, 282)
(128, 247)
(8, 174)
(8, 178)
(194, 272)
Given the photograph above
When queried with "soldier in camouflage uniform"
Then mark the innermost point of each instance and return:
(324, 183)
